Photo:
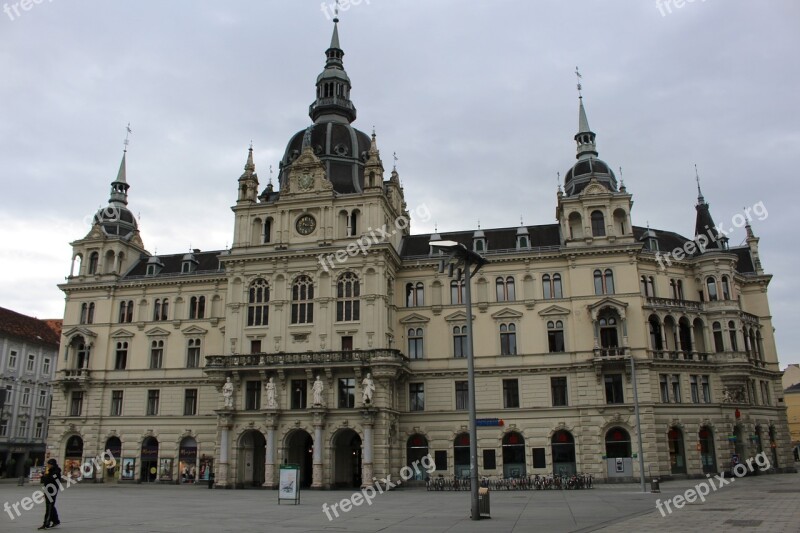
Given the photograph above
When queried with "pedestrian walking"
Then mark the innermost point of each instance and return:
(50, 479)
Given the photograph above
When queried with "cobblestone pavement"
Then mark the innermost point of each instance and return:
(759, 503)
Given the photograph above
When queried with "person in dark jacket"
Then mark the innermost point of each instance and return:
(49, 480)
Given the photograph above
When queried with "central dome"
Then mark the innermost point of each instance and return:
(341, 148)
(582, 172)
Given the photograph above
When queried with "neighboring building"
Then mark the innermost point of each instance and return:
(791, 376)
(792, 399)
(28, 356)
(150, 342)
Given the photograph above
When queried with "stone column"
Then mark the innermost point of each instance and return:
(316, 472)
(269, 461)
(367, 469)
(221, 479)
(692, 340)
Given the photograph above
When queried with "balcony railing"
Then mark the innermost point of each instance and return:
(680, 355)
(75, 374)
(362, 357)
(616, 351)
(670, 303)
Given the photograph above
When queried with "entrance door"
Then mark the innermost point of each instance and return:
(416, 449)
(514, 455)
(346, 459)
(252, 454)
(677, 455)
(563, 448)
(461, 455)
(708, 455)
(149, 472)
(299, 450)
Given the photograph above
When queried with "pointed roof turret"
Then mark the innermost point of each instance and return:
(248, 181)
(119, 187)
(333, 87)
(704, 223)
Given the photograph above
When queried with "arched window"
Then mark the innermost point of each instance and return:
(651, 282)
(90, 314)
(161, 309)
(647, 285)
(609, 281)
(258, 303)
(555, 336)
(732, 334)
(157, 354)
(94, 258)
(415, 293)
(303, 301)
(193, 353)
(197, 307)
(598, 282)
(508, 339)
(726, 288)
(84, 312)
(557, 290)
(348, 292)
(505, 289)
(353, 223)
(608, 330)
(459, 341)
(547, 289)
(598, 224)
(415, 344)
(603, 282)
(121, 361)
(618, 443)
(711, 283)
(656, 341)
(126, 311)
(719, 345)
(747, 345)
(456, 292)
(268, 231)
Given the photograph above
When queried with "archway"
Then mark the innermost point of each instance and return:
(346, 459)
(114, 447)
(708, 455)
(187, 457)
(73, 457)
(461, 455)
(299, 450)
(514, 455)
(677, 454)
(618, 453)
(563, 448)
(149, 460)
(252, 455)
(416, 449)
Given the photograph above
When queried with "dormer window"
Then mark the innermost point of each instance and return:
(154, 266)
(522, 242)
(189, 264)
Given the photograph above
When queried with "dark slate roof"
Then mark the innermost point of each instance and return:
(745, 263)
(794, 388)
(207, 262)
(28, 328)
(496, 239)
(667, 240)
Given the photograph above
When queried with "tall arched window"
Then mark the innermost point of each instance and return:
(711, 283)
(655, 334)
(348, 292)
(547, 289)
(732, 334)
(415, 344)
(303, 301)
(598, 224)
(197, 307)
(161, 309)
(126, 311)
(508, 339)
(84, 313)
(603, 282)
(719, 344)
(459, 341)
(726, 288)
(557, 291)
(555, 336)
(415, 294)
(258, 303)
(608, 330)
(505, 289)
(268, 231)
(456, 292)
(94, 259)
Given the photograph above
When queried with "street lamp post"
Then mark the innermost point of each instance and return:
(638, 422)
(461, 255)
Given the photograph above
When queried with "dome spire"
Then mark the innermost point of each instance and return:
(119, 187)
(585, 136)
(333, 85)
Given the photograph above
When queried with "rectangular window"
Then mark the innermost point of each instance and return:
(252, 396)
(116, 403)
(12, 359)
(694, 389)
(462, 395)
(415, 343)
(255, 346)
(9, 393)
(676, 388)
(347, 393)
(193, 354)
(76, 403)
(440, 458)
(26, 396)
(152, 402)
(510, 393)
(664, 386)
(31, 363)
(558, 387)
(416, 397)
(614, 388)
(42, 404)
(46, 366)
(22, 429)
(299, 391)
(508, 339)
(460, 342)
(157, 354)
(39, 432)
(765, 393)
(539, 458)
(190, 402)
(3, 428)
(489, 460)
(121, 360)
(347, 343)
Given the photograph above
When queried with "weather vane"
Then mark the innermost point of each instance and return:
(394, 156)
(580, 87)
(128, 131)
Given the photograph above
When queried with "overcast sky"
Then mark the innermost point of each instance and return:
(477, 98)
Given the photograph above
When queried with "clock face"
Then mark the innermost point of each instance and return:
(306, 225)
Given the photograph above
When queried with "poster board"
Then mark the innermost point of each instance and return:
(289, 483)
(36, 474)
(165, 469)
(128, 472)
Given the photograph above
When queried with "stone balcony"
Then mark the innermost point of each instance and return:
(306, 360)
(73, 377)
(672, 304)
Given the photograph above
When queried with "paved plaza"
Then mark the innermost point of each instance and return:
(760, 503)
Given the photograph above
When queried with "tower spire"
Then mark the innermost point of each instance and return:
(119, 187)
(700, 199)
(333, 85)
(585, 136)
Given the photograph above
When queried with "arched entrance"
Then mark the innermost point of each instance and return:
(773, 444)
(514, 455)
(114, 447)
(346, 459)
(149, 471)
(461, 455)
(708, 455)
(299, 450)
(738, 442)
(677, 453)
(618, 453)
(187, 458)
(252, 455)
(416, 449)
(563, 447)
(73, 457)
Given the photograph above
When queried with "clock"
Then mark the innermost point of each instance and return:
(306, 225)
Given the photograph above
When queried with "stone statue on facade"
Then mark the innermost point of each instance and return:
(317, 389)
(272, 394)
(227, 393)
(367, 389)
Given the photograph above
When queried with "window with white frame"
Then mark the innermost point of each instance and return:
(12, 359)
(31, 366)
(39, 431)
(42, 403)
(46, 366)
(26, 396)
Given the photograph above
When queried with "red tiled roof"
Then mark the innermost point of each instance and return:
(29, 328)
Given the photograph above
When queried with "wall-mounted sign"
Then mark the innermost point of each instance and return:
(487, 422)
